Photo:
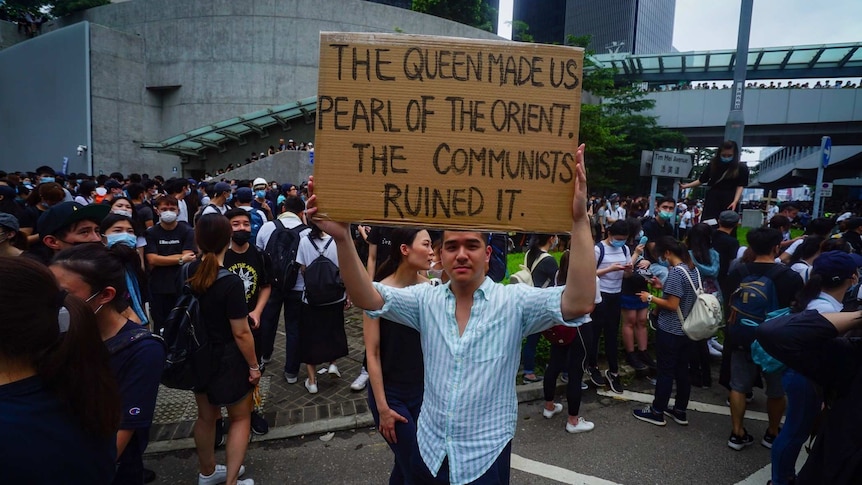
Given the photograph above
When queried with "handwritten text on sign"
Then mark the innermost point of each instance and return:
(447, 132)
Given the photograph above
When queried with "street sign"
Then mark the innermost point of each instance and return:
(672, 165)
(826, 189)
(827, 150)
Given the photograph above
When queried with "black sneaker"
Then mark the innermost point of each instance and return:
(220, 437)
(634, 361)
(259, 425)
(149, 476)
(647, 359)
(740, 442)
(679, 417)
(596, 377)
(649, 415)
(768, 439)
(614, 382)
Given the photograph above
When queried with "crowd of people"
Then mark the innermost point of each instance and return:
(93, 266)
(791, 84)
(272, 150)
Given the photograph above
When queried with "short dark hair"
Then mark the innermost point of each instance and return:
(167, 200)
(787, 206)
(294, 204)
(619, 228)
(763, 240)
(663, 200)
(45, 170)
(135, 190)
(238, 213)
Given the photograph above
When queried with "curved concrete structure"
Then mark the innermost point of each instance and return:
(162, 67)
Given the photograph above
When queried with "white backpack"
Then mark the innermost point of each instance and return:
(705, 317)
(525, 274)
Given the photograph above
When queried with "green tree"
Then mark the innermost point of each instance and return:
(521, 31)
(475, 13)
(617, 129)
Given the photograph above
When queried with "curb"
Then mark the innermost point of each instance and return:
(525, 392)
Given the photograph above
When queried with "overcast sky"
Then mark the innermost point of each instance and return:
(710, 25)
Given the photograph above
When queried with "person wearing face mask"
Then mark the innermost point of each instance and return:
(8, 233)
(221, 195)
(661, 225)
(613, 263)
(117, 230)
(97, 275)
(726, 176)
(170, 244)
(242, 200)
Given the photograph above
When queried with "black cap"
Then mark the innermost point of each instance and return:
(113, 184)
(244, 194)
(67, 213)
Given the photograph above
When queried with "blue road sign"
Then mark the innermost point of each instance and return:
(827, 150)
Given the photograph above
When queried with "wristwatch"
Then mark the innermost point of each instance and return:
(649, 299)
(180, 261)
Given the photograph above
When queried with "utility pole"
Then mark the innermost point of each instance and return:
(735, 127)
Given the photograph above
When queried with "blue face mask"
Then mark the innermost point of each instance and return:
(726, 159)
(618, 243)
(46, 180)
(129, 240)
(260, 194)
(662, 262)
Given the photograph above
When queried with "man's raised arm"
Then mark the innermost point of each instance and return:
(579, 295)
(356, 279)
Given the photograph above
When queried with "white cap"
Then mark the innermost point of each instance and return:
(258, 181)
(844, 216)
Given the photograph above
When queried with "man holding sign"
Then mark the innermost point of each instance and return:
(471, 330)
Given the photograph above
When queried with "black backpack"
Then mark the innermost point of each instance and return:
(497, 266)
(753, 300)
(323, 284)
(281, 249)
(200, 211)
(190, 355)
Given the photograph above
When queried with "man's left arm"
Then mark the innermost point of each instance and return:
(579, 293)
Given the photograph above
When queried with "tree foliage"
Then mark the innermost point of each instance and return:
(617, 130)
(475, 13)
(56, 8)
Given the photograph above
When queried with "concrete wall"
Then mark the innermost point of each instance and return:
(283, 167)
(9, 34)
(229, 58)
(44, 105)
(299, 131)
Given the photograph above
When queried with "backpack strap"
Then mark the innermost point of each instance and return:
(119, 342)
(696, 289)
(601, 247)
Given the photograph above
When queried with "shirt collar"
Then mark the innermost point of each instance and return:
(484, 290)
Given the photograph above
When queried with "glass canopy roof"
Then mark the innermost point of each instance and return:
(215, 136)
(796, 62)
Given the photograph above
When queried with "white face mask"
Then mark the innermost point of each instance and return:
(168, 217)
(122, 212)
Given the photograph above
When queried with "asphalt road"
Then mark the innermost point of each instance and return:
(620, 450)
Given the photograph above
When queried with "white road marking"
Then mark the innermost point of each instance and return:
(765, 474)
(692, 405)
(555, 473)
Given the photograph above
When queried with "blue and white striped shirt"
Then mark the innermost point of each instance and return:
(470, 408)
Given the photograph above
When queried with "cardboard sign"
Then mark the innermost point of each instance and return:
(446, 132)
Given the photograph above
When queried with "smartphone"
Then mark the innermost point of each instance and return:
(643, 241)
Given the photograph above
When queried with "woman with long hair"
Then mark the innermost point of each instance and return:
(394, 353)
(804, 256)
(707, 261)
(58, 398)
(98, 275)
(726, 176)
(671, 344)
(236, 371)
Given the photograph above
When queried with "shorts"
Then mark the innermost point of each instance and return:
(744, 372)
(229, 383)
(632, 302)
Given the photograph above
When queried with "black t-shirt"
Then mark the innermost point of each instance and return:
(222, 302)
(787, 282)
(723, 181)
(163, 279)
(727, 247)
(138, 370)
(655, 231)
(545, 272)
(254, 269)
(854, 239)
(401, 355)
(29, 217)
(380, 237)
(41, 442)
(637, 282)
(144, 212)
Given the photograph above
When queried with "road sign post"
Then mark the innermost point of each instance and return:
(825, 155)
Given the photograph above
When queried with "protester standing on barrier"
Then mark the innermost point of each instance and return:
(471, 330)
(726, 176)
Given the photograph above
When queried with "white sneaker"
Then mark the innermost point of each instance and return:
(333, 371)
(247, 481)
(361, 381)
(312, 388)
(218, 476)
(582, 427)
(550, 414)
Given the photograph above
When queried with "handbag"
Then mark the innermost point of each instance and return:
(561, 335)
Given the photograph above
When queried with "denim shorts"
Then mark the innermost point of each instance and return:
(744, 372)
(632, 302)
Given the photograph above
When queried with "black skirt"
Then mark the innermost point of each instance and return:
(229, 382)
(321, 333)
